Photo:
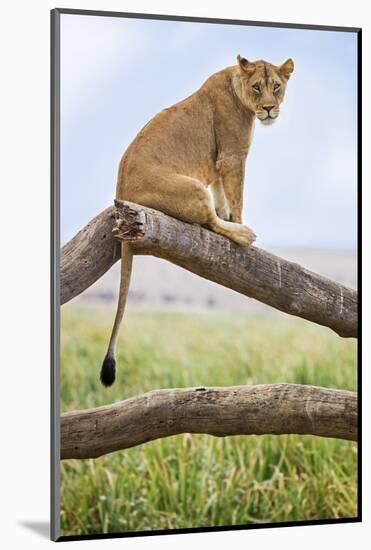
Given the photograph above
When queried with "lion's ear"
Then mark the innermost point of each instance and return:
(245, 65)
(287, 68)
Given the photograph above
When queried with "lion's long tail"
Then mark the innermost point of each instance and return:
(108, 371)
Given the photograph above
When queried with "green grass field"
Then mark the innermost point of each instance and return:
(198, 480)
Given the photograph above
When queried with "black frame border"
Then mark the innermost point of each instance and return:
(55, 262)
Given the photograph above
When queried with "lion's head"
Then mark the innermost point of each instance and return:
(261, 86)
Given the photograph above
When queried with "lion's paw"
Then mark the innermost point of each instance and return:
(243, 235)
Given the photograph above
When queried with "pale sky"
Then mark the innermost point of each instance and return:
(301, 180)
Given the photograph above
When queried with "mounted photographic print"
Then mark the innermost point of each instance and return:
(205, 199)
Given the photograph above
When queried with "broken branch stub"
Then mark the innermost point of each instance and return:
(129, 222)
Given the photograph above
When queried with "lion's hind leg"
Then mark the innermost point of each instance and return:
(189, 200)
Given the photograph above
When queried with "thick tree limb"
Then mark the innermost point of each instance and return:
(86, 257)
(235, 410)
(251, 271)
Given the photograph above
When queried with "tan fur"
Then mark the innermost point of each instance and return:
(200, 145)
(203, 141)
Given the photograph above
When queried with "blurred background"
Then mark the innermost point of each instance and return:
(181, 330)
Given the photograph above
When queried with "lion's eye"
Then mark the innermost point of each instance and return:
(256, 88)
(276, 87)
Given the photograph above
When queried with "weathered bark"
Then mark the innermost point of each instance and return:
(250, 271)
(86, 257)
(235, 410)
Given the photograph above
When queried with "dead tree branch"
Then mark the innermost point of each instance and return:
(235, 410)
(250, 271)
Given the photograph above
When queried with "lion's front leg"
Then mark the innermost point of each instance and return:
(232, 172)
(220, 201)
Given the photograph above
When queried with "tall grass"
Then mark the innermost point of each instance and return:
(198, 480)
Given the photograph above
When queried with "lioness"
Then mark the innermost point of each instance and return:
(199, 143)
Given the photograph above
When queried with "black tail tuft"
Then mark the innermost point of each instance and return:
(107, 373)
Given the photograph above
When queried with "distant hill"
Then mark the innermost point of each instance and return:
(160, 284)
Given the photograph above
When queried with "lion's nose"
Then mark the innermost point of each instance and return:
(268, 108)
